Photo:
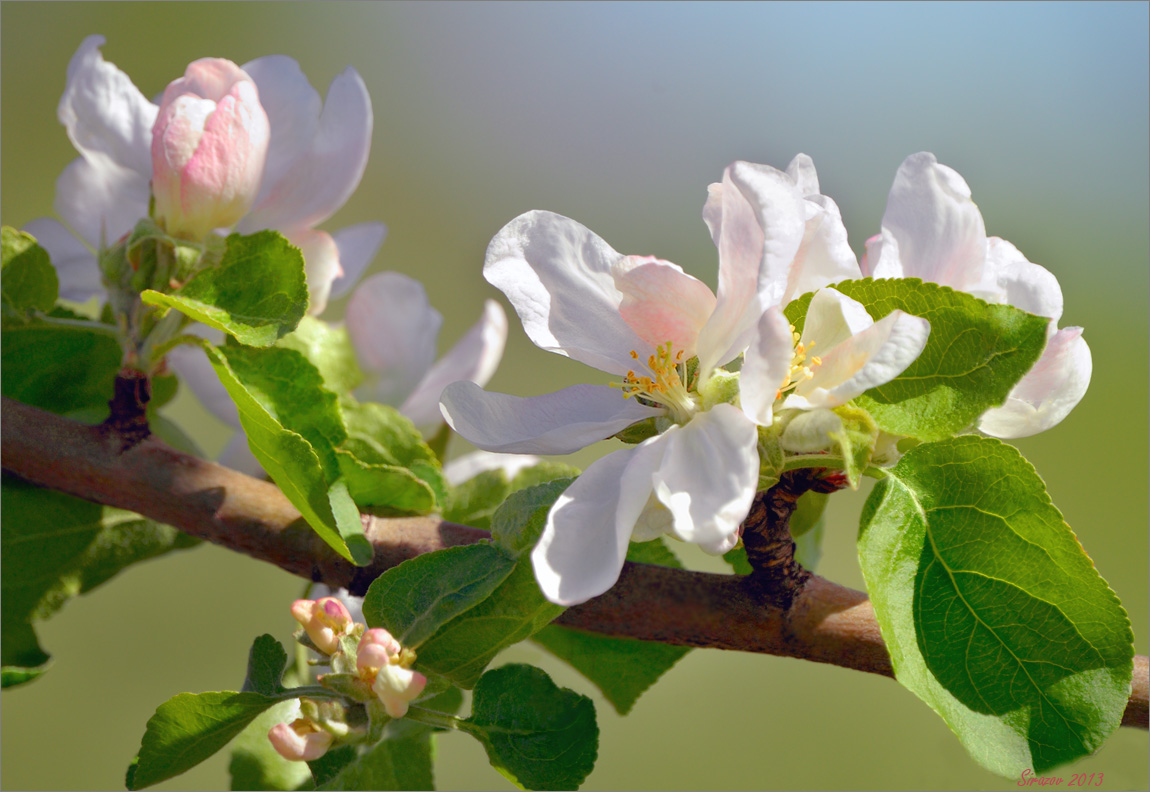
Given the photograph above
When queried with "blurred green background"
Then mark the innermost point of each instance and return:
(620, 115)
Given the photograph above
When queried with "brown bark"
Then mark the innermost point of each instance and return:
(824, 622)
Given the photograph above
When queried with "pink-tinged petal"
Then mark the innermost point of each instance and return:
(931, 228)
(324, 176)
(357, 245)
(100, 200)
(766, 364)
(474, 357)
(1048, 392)
(824, 257)
(662, 303)
(105, 114)
(299, 741)
(393, 329)
(1021, 283)
(469, 466)
(584, 541)
(396, 687)
(832, 318)
(708, 474)
(556, 423)
(871, 254)
(293, 107)
(74, 262)
(869, 359)
(558, 276)
(321, 264)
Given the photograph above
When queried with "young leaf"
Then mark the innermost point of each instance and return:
(517, 525)
(382, 486)
(329, 349)
(257, 294)
(975, 354)
(537, 734)
(392, 763)
(415, 599)
(28, 280)
(476, 500)
(59, 369)
(379, 435)
(992, 612)
(266, 662)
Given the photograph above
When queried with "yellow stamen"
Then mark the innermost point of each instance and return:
(667, 388)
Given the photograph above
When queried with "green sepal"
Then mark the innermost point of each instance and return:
(771, 457)
(638, 431)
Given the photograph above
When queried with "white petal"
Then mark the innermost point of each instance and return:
(708, 474)
(557, 275)
(100, 200)
(765, 366)
(824, 257)
(721, 546)
(872, 358)
(831, 319)
(475, 358)
(192, 366)
(662, 303)
(293, 107)
(393, 329)
(324, 176)
(556, 423)
(1021, 283)
(357, 245)
(321, 264)
(802, 172)
(931, 228)
(469, 466)
(1048, 392)
(105, 114)
(584, 542)
(75, 264)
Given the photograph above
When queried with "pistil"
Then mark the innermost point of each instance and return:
(666, 387)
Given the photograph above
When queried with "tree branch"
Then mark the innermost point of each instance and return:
(825, 622)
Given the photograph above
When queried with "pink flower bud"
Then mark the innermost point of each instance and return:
(396, 686)
(324, 621)
(209, 146)
(299, 741)
(376, 649)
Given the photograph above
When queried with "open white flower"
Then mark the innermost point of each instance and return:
(316, 155)
(933, 230)
(642, 320)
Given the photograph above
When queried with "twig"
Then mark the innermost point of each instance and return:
(825, 622)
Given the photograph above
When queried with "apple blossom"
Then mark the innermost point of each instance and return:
(316, 155)
(209, 146)
(933, 230)
(385, 665)
(644, 319)
(324, 620)
(302, 740)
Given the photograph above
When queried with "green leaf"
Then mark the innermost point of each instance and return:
(28, 280)
(329, 349)
(257, 294)
(383, 487)
(59, 369)
(537, 734)
(975, 354)
(654, 551)
(992, 612)
(283, 408)
(392, 763)
(255, 763)
(415, 599)
(517, 525)
(266, 662)
(475, 501)
(54, 547)
(737, 558)
(191, 727)
(381, 435)
(331, 763)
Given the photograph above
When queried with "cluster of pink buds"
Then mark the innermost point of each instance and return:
(381, 667)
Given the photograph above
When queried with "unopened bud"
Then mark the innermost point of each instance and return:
(396, 687)
(302, 740)
(323, 620)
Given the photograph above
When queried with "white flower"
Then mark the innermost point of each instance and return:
(315, 158)
(643, 319)
(933, 230)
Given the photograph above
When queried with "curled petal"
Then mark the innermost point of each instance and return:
(556, 423)
(469, 466)
(300, 740)
(1048, 392)
(1009, 278)
(321, 264)
(872, 358)
(100, 200)
(584, 541)
(105, 114)
(357, 245)
(474, 358)
(325, 175)
(831, 319)
(824, 257)
(396, 687)
(558, 276)
(74, 262)
(766, 364)
(931, 228)
(393, 328)
(662, 303)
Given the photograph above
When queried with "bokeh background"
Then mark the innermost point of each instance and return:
(620, 115)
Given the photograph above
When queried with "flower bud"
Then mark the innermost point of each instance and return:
(300, 741)
(376, 649)
(396, 686)
(324, 621)
(209, 147)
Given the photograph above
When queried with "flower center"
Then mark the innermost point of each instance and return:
(667, 385)
(800, 370)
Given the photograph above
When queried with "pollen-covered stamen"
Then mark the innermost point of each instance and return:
(666, 387)
(800, 369)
